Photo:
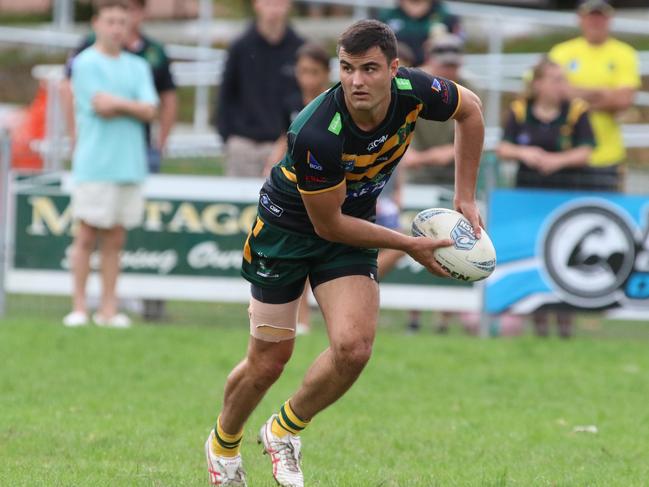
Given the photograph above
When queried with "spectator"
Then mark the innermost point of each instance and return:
(153, 52)
(552, 140)
(114, 97)
(414, 21)
(258, 78)
(313, 77)
(429, 159)
(136, 42)
(604, 72)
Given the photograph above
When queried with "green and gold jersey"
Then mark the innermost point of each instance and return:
(327, 150)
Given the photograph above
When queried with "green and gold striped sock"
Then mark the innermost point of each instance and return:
(287, 422)
(224, 444)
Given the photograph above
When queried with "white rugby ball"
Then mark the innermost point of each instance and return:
(469, 259)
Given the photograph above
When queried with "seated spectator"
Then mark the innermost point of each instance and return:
(414, 21)
(552, 140)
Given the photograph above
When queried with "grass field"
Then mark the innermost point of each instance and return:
(96, 407)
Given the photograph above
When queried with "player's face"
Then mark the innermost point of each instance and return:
(366, 78)
(312, 76)
(595, 26)
(552, 86)
(110, 26)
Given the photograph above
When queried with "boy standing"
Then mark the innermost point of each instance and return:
(114, 98)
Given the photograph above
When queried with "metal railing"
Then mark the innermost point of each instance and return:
(5, 166)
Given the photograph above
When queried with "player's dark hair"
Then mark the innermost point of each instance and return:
(314, 52)
(99, 5)
(140, 3)
(366, 34)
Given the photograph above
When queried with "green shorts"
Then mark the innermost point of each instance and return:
(277, 262)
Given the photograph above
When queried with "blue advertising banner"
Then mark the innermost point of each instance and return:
(581, 250)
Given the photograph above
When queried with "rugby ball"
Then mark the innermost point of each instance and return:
(469, 259)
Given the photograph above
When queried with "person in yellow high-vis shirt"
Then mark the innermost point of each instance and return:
(604, 72)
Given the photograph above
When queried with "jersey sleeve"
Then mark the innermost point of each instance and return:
(512, 128)
(440, 96)
(316, 166)
(583, 132)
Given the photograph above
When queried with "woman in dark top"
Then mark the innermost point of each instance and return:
(552, 140)
(549, 135)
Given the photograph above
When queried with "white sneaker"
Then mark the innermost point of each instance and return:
(75, 318)
(119, 320)
(224, 471)
(285, 454)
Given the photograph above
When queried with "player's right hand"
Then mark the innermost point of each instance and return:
(422, 249)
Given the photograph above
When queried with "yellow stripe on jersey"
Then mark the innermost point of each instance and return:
(369, 159)
(374, 170)
(247, 254)
(258, 226)
(289, 175)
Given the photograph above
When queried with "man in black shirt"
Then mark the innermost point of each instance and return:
(258, 77)
(315, 219)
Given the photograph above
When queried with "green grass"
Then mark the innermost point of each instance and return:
(99, 407)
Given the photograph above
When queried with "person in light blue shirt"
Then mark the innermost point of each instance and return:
(114, 97)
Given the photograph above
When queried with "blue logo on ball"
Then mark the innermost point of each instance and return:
(463, 236)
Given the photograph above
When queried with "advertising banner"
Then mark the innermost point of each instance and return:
(190, 244)
(579, 250)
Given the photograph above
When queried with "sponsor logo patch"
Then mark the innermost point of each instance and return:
(315, 179)
(336, 124)
(375, 143)
(403, 83)
(313, 163)
(436, 86)
(267, 203)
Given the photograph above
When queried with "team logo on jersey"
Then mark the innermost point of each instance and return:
(436, 86)
(313, 163)
(573, 65)
(523, 138)
(348, 164)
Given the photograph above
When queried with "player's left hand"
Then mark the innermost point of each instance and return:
(470, 210)
(106, 105)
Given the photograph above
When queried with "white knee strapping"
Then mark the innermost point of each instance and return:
(273, 322)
